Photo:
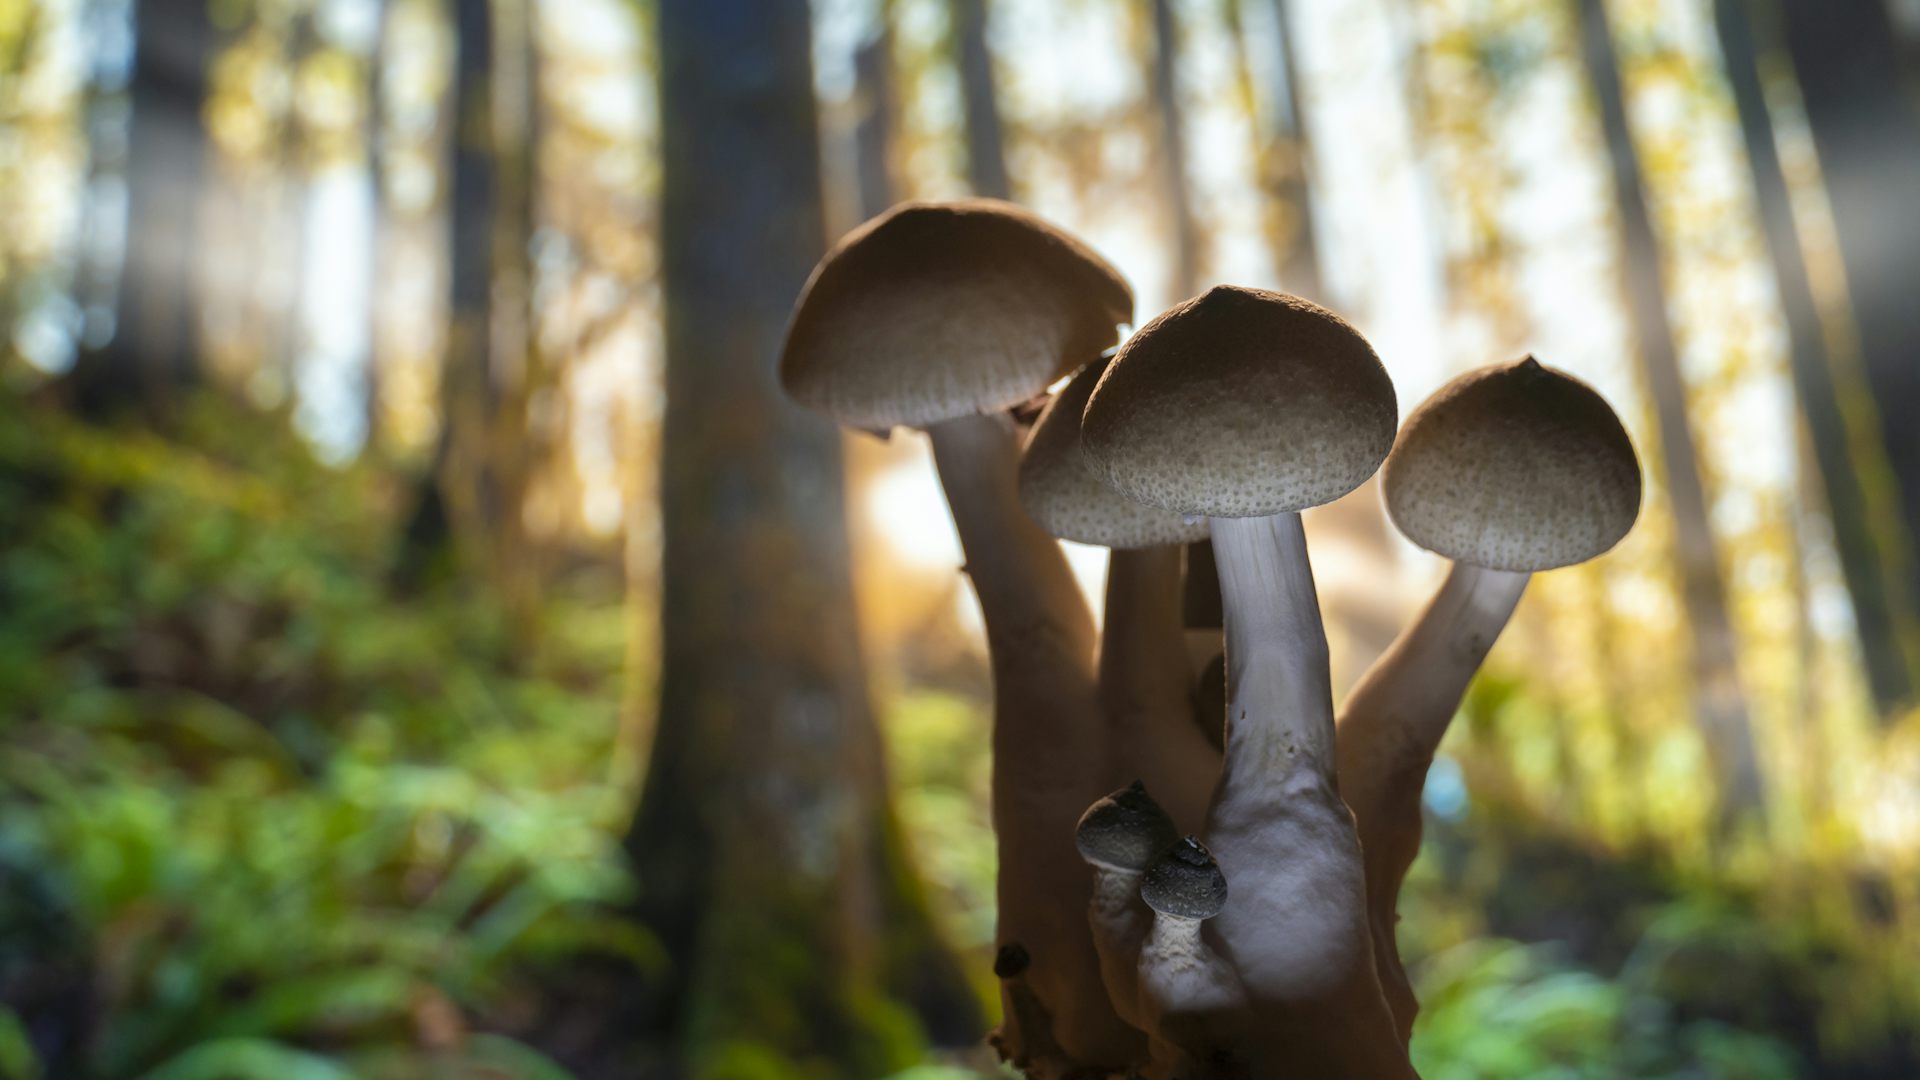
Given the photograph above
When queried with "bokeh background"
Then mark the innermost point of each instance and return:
(430, 646)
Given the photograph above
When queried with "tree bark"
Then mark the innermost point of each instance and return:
(151, 357)
(1866, 129)
(758, 810)
(1719, 701)
(986, 140)
(1879, 611)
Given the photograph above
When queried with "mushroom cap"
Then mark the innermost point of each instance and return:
(1126, 830)
(1185, 882)
(1064, 497)
(1514, 467)
(1241, 403)
(934, 311)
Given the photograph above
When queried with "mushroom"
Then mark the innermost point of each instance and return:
(1185, 987)
(1249, 406)
(941, 316)
(1120, 837)
(1143, 673)
(1507, 470)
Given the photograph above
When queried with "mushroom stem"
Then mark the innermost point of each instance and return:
(1391, 725)
(1120, 924)
(1047, 742)
(1295, 927)
(1184, 986)
(1144, 685)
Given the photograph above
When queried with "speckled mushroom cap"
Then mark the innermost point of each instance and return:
(1514, 467)
(1185, 882)
(1126, 830)
(1241, 403)
(1064, 497)
(933, 311)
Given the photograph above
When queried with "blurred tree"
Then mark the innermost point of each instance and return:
(1282, 151)
(986, 139)
(1719, 701)
(1185, 269)
(761, 821)
(877, 99)
(472, 495)
(151, 356)
(1866, 129)
(1881, 608)
(374, 129)
(457, 487)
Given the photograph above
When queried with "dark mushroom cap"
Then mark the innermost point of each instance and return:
(1241, 403)
(1126, 830)
(933, 311)
(1185, 883)
(1514, 467)
(1062, 494)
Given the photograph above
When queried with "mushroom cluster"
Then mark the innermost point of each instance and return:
(1261, 944)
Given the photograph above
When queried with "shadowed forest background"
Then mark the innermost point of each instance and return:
(430, 645)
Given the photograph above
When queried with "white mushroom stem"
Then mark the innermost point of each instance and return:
(1295, 926)
(1048, 745)
(1390, 727)
(1144, 686)
(1120, 922)
(1185, 989)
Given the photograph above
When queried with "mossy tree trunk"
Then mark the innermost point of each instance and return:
(766, 855)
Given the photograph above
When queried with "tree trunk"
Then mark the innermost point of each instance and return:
(377, 238)
(151, 357)
(455, 496)
(1185, 280)
(1878, 611)
(1866, 129)
(986, 142)
(1720, 702)
(1281, 152)
(754, 837)
(466, 510)
(873, 130)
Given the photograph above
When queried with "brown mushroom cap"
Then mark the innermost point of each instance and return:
(1514, 467)
(1185, 882)
(933, 311)
(1064, 497)
(1126, 830)
(1241, 403)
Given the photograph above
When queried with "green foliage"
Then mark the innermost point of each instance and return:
(266, 819)
(1493, 1008)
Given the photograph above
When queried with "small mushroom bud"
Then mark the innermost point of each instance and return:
(1186, 884)
(1190, 998)
(1120, 836)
